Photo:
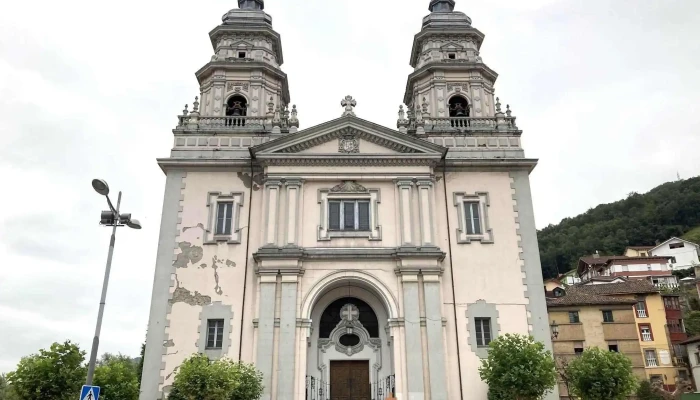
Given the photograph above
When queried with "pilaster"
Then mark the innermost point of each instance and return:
(292, 219)
(272, 195)
(426, 217)
(413, 345)
(405, 188)
(287, 338)
(434, 329)
(266, 331)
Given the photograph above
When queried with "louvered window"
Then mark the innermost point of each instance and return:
(348, 215)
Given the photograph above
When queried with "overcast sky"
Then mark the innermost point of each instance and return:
(606, 92)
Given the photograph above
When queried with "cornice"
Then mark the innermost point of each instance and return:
(432, 32)
(221, 30)
(203, 73)
(346, 161)
(439, 65)
(508, 164)
(334, 253)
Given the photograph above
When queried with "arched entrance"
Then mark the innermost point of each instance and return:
(350, 354)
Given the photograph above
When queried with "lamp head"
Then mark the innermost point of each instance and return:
(100, 186)
(133, 224)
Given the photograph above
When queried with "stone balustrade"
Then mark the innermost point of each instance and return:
(470, 124)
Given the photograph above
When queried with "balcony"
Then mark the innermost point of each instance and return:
(646, 336)
(471, 124)
(651, 362)
(641, 313)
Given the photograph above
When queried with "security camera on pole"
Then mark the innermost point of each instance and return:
(114, 219)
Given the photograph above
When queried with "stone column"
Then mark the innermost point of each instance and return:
(413, 345)
(425, 207)
(287, 338)
(405, 215)
(272, 190)
(292, 218)
(434, 329)
(266, 331)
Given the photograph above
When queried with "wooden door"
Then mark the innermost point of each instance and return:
(350, 380)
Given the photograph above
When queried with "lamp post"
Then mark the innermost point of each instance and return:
(114, 219)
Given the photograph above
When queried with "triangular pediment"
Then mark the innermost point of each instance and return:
(452, 46)
(241, 44)
(349, 138)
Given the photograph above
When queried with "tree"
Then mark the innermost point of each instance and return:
(646, 392)
(199, 378)
(601, 375)
(6, 390)
(139, 367)
(691, 321)
(54, 374)
(117, 376)
(518, 368)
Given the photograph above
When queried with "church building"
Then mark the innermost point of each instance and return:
(346, 260)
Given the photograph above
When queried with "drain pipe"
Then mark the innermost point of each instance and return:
(452, 275)
(247, 248)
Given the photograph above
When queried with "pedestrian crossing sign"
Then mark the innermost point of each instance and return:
(90, 393)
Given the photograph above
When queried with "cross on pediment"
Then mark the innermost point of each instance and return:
(349, 103)
(349, 312)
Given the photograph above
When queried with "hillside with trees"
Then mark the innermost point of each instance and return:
(672, 209)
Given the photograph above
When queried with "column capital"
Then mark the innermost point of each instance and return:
(424, 182)
(404, 182)
(273, 183)
(293, 182)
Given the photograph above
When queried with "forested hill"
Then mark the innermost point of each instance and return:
(672, 209)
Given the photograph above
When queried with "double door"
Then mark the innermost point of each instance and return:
(350, 380)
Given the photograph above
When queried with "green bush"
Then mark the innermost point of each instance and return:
(199, 378)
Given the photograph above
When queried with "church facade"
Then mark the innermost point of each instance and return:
(346, 260)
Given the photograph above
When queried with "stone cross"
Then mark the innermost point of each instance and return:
(349, 312)
(349, 103)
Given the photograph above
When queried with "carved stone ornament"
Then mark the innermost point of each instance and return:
(236, 86)
(349, 187)
(349, 325)
(349, 143)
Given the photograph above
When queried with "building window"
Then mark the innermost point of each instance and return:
(578, 348)
(452, 56)
(483, 331)
(608, 316)
(683, 375)
(675, 325)
(473, 218)
(348, 215)
(672, 303)
(613, 347)
(215, 333)
(573, 317)
(656, 379)
(676, 245)
(641, 309)
(224, 218)
(673, 260)
(645, 332)
(650, 357)
(241, 54)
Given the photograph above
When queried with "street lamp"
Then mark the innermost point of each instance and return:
(114, 219)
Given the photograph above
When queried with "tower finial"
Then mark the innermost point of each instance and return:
(251, 4)
(442, 5)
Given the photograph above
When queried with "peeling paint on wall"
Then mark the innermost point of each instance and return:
(182, 295)
(214, 264)
(188, 254)
(200, 226)
(169, 343)
(257, 180)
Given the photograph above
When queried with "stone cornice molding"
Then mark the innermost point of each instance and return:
(211, 67)
(431, 67)
(495, 164)
(453, 34)
(339, 253)
(222, 30)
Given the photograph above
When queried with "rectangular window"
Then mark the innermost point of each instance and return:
(683, 374)
(241, 54)
(675, 325)
(645, 332)
(348, 215)
(224, 218)
(215, 333)
(672, 303)
(613, 347)
(578, 348)
(608, 316)
(676, 245)
(641, 309)
(483, 331)
(650, 357)
(473, 218)
(573, 317)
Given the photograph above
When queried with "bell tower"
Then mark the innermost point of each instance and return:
(451, 89)
(243, 87)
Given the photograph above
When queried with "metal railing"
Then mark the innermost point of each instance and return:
(641, 313)
(317, 389)
(651, 362)
(646, 336)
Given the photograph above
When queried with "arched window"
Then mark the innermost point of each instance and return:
(459, 107)
(237, 106)
(331, 317)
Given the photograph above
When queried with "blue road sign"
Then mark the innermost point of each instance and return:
(90, 393)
